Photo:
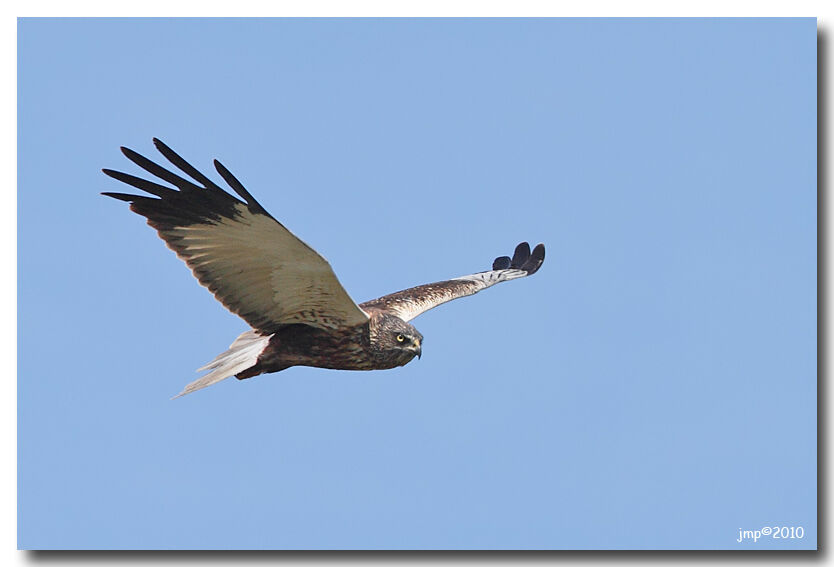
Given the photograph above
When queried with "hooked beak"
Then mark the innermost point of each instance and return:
(419, 348)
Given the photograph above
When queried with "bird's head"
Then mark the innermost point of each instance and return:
(394, 340)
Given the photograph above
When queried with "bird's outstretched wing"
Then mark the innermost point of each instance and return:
(409, 303)
(250, 262)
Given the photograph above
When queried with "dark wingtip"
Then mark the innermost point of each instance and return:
(160, 145)
(522, 252)
(240, 189)
(536, 259)
(134, 156)
(501, 263)
(523, 259)
(120, 196)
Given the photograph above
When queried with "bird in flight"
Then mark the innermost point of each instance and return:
(299, 312)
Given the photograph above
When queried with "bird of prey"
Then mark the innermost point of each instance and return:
(299, 312)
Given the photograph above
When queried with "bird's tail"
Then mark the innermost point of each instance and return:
(242, 354)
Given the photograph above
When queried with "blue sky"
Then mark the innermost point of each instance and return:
(653, 386)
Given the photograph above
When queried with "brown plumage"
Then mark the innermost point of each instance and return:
(299, 312)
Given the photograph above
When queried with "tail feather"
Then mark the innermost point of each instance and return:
(242, 354)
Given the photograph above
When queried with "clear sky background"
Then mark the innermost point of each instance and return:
(653, 386)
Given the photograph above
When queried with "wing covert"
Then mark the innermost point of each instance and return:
(252, 264)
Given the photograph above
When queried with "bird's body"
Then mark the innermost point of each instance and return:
(299, 312)
(361, 347)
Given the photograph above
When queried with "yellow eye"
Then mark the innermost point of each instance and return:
(400, 338)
